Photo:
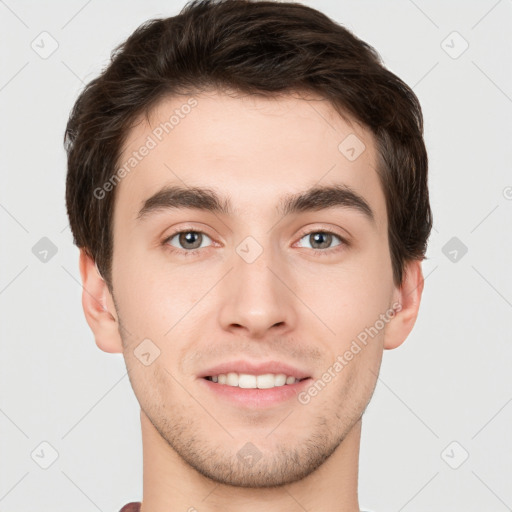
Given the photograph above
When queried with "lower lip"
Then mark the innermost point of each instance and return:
(256, 398)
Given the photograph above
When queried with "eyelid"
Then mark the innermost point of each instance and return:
(325, 229)
(187, 229)
(181, 231)
(344, 241)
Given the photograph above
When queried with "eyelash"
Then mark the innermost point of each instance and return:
(317, 252)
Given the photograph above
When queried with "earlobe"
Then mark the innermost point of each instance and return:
(98, 306)
(408, 298)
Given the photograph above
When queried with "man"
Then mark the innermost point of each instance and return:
(276, 144)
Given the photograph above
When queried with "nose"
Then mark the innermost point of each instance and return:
(257, 297)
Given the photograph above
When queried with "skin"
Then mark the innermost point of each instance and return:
(288, 305)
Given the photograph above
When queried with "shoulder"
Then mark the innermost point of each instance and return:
(133, 506)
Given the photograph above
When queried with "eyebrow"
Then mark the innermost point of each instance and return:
(200, 198)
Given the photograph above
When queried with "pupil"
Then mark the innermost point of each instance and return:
(190, 237)
(323, 239)
(318, 239)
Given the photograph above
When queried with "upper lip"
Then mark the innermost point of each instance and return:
(253, 368)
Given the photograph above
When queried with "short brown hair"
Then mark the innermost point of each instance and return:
(255, 47)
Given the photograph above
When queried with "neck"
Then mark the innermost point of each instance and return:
(170, 484)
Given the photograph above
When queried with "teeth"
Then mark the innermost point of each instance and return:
(266, 381)
(247, 381)
(280, 379)
(232, 379)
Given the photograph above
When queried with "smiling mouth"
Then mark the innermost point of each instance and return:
(249, 381)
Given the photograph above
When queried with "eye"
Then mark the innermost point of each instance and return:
(322, 239)
(187, 240)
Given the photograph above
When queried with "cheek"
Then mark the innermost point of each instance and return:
(165, 309)
(156, 296)
(348, 297)
(153, 295)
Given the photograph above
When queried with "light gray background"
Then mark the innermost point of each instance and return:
(450, 381)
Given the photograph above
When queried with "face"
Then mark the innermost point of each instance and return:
(231, 301)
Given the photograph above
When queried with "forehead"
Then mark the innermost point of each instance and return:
(250, 148)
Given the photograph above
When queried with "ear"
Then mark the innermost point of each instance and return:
(99, 306)
(407, 299)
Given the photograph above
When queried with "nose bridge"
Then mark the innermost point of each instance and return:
(254, 297)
